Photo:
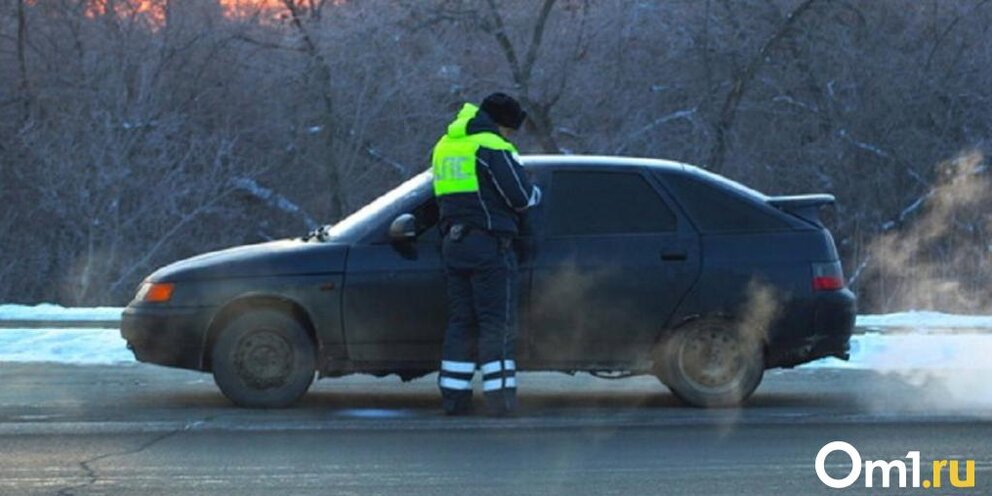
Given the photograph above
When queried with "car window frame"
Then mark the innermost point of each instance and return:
(379, 234)
(543, 221)
(729, 187)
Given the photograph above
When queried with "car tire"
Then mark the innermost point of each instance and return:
(711, 363)
(264, 359)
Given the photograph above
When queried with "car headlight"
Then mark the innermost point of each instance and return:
(155, 292)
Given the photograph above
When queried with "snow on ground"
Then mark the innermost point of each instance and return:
(925, 320)
(923, 351)
(48, 311)
(902, 320)
(83, 346)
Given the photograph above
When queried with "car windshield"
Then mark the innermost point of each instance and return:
(375, 213)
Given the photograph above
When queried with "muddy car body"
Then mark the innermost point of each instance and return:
(628, 266)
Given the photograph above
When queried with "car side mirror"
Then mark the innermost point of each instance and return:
(403, 228)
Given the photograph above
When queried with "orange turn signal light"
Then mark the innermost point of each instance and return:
(159, 292)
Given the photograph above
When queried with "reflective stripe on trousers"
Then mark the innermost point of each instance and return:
(499, 374)
(456, 375)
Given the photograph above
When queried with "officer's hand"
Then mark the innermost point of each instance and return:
(535, 197)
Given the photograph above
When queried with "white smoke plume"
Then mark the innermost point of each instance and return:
(941, 259)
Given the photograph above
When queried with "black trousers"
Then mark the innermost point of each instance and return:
(481, 276)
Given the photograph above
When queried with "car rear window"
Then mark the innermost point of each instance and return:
(716, 209)
(586, 203)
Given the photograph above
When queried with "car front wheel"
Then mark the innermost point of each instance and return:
(711, 363)
(264, 359)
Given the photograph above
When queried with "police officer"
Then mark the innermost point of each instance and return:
(482, 191)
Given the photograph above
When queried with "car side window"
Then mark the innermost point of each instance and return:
(591, 203)
(715, 209)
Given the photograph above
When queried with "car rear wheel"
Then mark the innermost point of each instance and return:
(264, 359)
(711, 363)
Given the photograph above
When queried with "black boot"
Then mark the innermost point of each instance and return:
(456, 404)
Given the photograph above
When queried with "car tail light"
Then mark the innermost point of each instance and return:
(155, 292)
(828, 276)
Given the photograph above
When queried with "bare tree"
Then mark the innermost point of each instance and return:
(743, 79)
(522, 69)
(136, 133)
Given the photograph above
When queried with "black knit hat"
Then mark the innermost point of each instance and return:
(504, 110)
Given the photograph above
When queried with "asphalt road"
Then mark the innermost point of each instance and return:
(138, 429)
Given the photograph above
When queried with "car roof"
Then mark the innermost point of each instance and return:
(653, 163)
(602, 160)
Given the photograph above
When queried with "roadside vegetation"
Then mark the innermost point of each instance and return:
(137, 132)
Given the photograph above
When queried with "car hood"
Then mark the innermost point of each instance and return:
(275, 258)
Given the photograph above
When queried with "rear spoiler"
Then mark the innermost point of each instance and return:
(806, 207)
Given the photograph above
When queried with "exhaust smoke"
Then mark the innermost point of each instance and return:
(939, 258)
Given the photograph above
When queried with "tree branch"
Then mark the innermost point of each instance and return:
(373, 153)
(947, 31)
(266, 44)
(680, 114)
(22, 67)
(505, 44)
(273, 199)
(740, 85)
(535, 40)
(178, 226)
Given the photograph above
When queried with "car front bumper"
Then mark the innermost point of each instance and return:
(170, 336)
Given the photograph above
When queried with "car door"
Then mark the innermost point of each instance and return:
(394, 299)
(613, 261)
(394, 303)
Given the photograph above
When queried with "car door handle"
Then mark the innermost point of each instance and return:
(674, 256)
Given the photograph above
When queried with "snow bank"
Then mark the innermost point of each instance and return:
(82, 346)
(902, 320)
(916, 351)
(922, 319)
(48, 311)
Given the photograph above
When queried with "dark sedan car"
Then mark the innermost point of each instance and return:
(629, 266)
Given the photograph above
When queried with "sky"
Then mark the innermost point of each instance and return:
(154, 10)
